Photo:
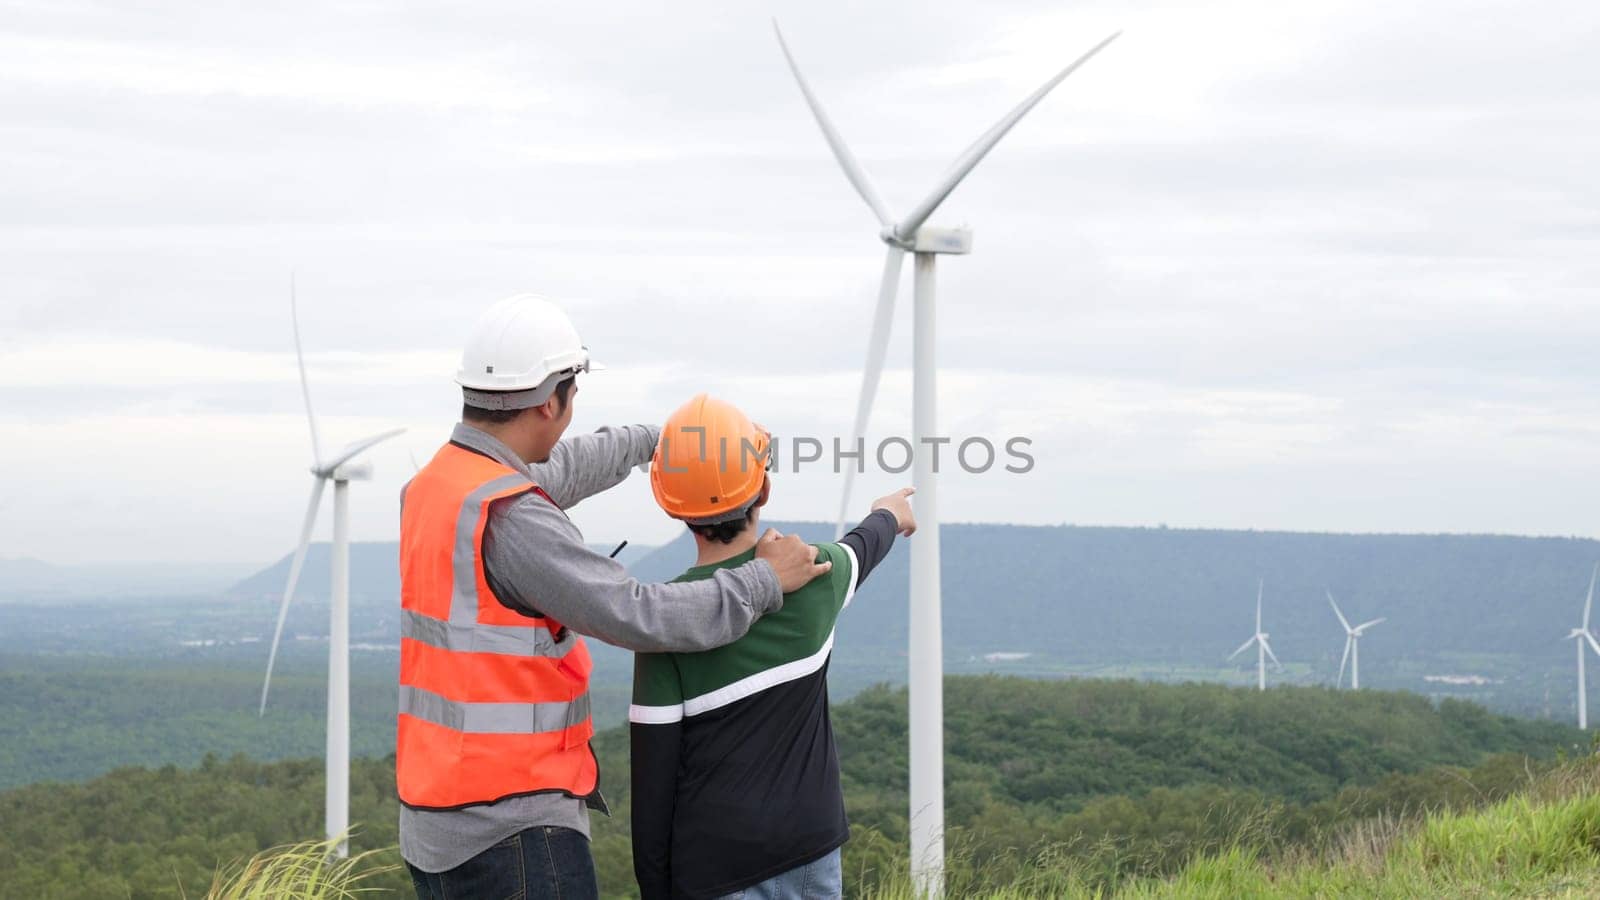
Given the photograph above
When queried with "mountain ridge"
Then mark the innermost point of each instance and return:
(1109, 595)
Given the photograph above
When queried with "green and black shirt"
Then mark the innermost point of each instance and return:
(735, 777)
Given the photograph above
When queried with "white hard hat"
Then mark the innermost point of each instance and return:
(519, 350)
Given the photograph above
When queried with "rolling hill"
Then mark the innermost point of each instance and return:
(23, 579)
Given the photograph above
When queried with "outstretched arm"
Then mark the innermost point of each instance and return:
(869, 542)
(580, 467)
(537, 563)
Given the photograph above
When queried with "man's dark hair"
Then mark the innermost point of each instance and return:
(725, 532)
(479, 416)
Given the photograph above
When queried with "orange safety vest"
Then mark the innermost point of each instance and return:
(493, 703)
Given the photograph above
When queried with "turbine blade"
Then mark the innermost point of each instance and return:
(288, 591)
(1590, 601)
(980, 148)
(1243, 647)
(1365, 625)
(1268, 647)
(841, 151)
(1344, 659)
(1592, 643)
(351, 450)
(1259, 585)
(305, 385)
(1342, 620)
(877, 348)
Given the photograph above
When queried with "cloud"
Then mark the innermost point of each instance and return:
(1319, 265)
(101, 65)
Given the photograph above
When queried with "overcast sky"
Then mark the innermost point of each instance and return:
(1315, 266)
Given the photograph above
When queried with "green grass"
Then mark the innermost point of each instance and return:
(1544, 842)
(1519, 848)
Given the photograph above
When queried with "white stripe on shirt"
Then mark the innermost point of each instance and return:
(755, 684)
(855, 573)
(655, 715)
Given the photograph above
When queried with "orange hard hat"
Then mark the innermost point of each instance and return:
(710, 463)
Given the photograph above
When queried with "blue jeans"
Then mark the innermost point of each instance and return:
(539, 862)
(820, 879)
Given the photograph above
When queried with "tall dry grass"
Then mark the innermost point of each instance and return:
(303, 871)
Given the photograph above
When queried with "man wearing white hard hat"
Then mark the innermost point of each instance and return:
(492, 762)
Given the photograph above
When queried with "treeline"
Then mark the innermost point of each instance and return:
(149, 833)
(69, 723)
(1129, 778)
(69, 719)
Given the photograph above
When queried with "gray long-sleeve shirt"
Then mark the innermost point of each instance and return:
(538, 562)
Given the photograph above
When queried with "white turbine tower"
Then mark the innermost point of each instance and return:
(926, 652)
(1583, 636)
(341, 470)
(1352, 646)
(1263, 649)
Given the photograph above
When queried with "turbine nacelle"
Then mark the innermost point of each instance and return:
(1585, 636)
(1361, 629)
(949, 241)
(945, 241)
(353, 471)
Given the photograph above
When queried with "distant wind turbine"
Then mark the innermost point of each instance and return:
(341, 469)
(910, 233)
(1263, 649)
(1583, 636)
(1352, 647)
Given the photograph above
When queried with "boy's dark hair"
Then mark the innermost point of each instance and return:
(480, 416)
(725, 532)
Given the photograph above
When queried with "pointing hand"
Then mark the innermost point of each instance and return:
(898, 504)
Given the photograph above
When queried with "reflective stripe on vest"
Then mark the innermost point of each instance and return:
(492, 718)
(512, 640)
(491, 704)
(462, 632)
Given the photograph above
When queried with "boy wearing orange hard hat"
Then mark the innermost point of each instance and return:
(735, 778)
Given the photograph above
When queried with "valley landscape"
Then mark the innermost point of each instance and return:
(1092, 714)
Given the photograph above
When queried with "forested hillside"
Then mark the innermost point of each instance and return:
(69, 718)
(1138, 777)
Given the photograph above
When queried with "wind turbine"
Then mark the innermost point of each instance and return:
(341, 469)
(1352, 646)
(926, 243)
(1263, 649)
(1583, 636)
